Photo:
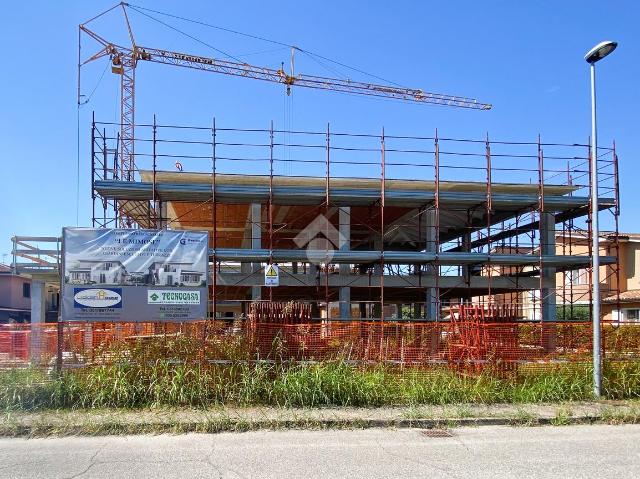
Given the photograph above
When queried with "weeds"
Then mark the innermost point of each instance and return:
(621, 415)
(175, 373)
(523, 417)
(165, 383)
(562, 417)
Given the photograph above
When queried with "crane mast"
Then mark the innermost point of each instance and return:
(124, 61)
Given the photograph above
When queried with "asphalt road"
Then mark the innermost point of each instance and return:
(483, 452)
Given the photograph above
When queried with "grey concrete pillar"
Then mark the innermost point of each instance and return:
(245, 268)
(548, 246)
(256, 243)
(432, 312)
(548, 310)
(374, 309)
(431, 304)
(161, 214)
(377, 267)
(466, 247)
(345, 269)
(315, 309)
(38, 314)
(431, 294)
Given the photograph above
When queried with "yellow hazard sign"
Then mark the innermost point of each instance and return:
(271, 275)
(272, 271)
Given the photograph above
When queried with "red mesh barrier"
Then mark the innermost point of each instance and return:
(456, 343)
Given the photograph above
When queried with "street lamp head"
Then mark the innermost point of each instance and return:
(600, 51)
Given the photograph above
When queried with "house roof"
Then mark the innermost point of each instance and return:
(161, 263)
(98, 261)
(630, 296)
(605, 236)
(629, 236)
(5, 270)
(513, 250)
(14, 310)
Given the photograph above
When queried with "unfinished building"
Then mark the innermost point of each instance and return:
(378, 226)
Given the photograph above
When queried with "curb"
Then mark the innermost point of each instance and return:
(44, 429)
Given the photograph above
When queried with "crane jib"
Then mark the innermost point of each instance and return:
(308, 81)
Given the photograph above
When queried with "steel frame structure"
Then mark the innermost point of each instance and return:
(481, 233)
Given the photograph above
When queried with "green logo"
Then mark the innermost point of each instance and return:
(154, 297)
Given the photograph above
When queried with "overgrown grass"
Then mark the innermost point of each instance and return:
(132, 384)
(172, 373)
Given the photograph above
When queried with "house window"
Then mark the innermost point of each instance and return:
(26, 290)
(577, 277)
(633, 314)
(189, 278)
(80, 276)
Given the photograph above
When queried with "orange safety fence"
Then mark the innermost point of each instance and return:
(453, 343)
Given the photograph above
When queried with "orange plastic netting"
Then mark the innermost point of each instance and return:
(410, 343)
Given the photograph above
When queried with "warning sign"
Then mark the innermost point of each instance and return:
(271, 275)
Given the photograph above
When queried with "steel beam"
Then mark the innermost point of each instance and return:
(340, 196)
(390, 281)
(405, 257)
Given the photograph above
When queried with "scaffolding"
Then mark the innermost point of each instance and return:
(377, 227)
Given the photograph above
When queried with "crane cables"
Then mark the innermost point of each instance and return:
(314, 56)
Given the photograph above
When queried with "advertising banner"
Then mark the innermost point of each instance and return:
(134, 275)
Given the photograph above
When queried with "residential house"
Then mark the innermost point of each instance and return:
(573, 286)
(97, 272)
(15, 298)
(625, 307)
(175, 274)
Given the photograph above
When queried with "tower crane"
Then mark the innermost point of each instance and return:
(125, 59)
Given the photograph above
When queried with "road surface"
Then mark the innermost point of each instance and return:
(483, 452)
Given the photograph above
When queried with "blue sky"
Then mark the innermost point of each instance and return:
(526, 58)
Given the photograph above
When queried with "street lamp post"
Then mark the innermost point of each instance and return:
(597, 53)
